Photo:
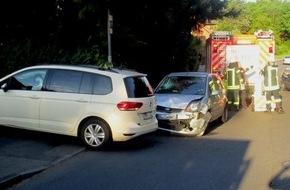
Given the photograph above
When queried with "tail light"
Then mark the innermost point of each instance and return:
(215, 47)
(270, 49)
(129, 106)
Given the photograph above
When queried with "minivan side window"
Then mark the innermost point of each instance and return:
(67, 81)
(87, 84)
(28, 80)
(102, 85)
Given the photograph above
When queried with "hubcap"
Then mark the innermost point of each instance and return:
(94, 135)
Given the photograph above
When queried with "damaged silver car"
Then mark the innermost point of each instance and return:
(188, 101)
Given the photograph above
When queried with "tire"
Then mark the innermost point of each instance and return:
(224, 117)
(95, 134)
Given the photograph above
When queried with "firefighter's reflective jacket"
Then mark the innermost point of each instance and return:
(233, 77)
(271, 79)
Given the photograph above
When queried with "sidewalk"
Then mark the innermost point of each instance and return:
(24, 153)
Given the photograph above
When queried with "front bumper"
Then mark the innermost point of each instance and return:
(185, 123)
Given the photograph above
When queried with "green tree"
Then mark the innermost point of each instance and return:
(146, 33)
(241, 17)
(159, 33)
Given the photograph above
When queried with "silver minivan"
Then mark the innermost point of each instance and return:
(96, 105)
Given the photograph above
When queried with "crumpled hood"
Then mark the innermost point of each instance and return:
(178, 101)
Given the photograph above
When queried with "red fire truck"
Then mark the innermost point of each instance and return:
(217, 54)
(253, 51)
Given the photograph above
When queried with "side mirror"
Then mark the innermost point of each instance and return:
(5, 87)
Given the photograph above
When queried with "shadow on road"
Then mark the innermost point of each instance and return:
(281, 180)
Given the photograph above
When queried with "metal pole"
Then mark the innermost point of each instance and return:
(109, 31)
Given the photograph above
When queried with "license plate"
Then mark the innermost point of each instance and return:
(147, 115)
(167, 116)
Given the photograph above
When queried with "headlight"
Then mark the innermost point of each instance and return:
(197, 106)
(193, 106)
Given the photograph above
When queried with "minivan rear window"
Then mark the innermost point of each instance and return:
(138, 87)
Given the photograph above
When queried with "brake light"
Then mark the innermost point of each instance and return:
(270, 49)
(129, 106)
(215, 47)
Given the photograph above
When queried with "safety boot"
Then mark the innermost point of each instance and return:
(268, 110)
(281, 111)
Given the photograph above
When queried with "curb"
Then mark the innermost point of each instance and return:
(16, 178)
(12, 179)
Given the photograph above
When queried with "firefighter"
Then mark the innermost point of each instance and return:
(272, 87)
(242, 92)
(233, 80)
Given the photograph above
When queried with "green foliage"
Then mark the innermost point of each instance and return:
(283, 49)
(152, 33)
(26, 53)
(241, 17)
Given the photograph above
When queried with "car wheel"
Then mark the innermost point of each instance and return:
(95, 134)
(224, 117)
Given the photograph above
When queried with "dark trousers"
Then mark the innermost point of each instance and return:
(233, 98)
(243, 102)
